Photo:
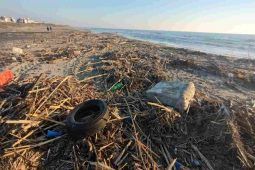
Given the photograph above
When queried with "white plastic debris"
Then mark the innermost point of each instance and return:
(17, 51)
(177, 94)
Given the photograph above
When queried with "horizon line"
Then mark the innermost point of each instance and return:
(139, 29)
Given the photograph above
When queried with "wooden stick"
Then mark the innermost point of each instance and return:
(147, 148)
(23, 138)
(170, 166)
(136, 136)
(18, 121)
(37, 90)
(122, 152)
(12, 153)
(3, 102)
(54, 121)
(31, 121)
(163, 152)
(37, 80)
(101, 165)
(103, 147)
(76, 162)
(92, 77)
(116, 114)
(113, 120)
(149, 156)
(239, 145)
(170, 158)
(36, 145)
(202, 157)
(161, 106)
(123, 158)
(52, 93)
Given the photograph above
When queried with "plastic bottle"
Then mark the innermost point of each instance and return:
(6, 77)
(116, 87)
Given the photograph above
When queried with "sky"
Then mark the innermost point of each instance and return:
(220, 16)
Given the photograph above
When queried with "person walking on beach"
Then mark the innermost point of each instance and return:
(48, 28)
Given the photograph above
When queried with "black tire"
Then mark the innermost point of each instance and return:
(87, 118)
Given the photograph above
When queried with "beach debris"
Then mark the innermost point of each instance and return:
(14, 58)
(53, 134)
(17, 51)
(76, 53)
(209, 166)
(1, 150)
(172, 114)
(253, 103)
(131, 119)
(5, 78)
(116, 86)
(28, 46)
(230, 77)
(179, 166)
(195, 163)
(87, 118)
(177, 94)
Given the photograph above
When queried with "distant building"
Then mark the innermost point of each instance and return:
(12, 19)
(31, 21)
(19, 20)
(25, 20)
(7, 19)
(2, 18)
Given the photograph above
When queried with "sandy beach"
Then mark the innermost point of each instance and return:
(53, 53)
(68, 51)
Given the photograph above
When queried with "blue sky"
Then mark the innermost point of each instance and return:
(228, 16)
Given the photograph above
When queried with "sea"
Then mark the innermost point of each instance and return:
(233, 45)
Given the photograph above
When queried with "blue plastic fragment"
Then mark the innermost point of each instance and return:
(195, 163)
(178, 165)
(1, 150)
(53, 134)
(128, 121)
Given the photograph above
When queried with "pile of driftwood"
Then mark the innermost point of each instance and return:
(243, 131)
(138, 135)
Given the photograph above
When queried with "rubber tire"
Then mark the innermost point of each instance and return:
(78, 129)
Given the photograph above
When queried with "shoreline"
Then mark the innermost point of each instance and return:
(189, 49)
(204, 50)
